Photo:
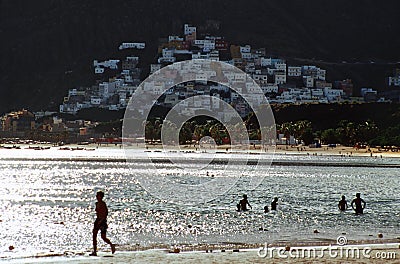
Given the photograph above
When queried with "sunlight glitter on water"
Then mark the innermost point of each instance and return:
(48, 205)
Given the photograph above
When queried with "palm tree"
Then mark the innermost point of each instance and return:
(367, 131)
(185, 134)
(301, 129)
(215, 132)
(287, 129)
(149, 131)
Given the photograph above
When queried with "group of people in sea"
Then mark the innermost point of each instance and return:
(358, 204)
(100, 224)
(242, 205)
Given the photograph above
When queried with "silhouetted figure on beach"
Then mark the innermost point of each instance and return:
(101, 223)
(343, 204)
(242, 205)
(274, 204)
(266, 209)
(360, 204)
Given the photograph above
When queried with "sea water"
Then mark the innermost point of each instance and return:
(47, 200)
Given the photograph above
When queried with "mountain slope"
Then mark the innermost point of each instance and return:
(48, 46)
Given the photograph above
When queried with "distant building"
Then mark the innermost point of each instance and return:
(112, 64)
(98, 70)
(314, 72)
(333, 95)
(19, 121)
(130, 63)
(346, 85)
(308, 81)
(221, 44)
(154, 68)
(174, 38)
(394, 80)
(323, 84)
(294, 71)
(171, 100)
(132, 45)
(187, 29)
(369, 94)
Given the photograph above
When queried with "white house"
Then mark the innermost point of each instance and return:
(187, 29)
(294, 71)
(280, 78)
(265, 62)
(199, 43)
(317, 93)
(308, 81)
(286, 97)
(281, 66)
(394, 81)
(98, 70)
(199, 55)
(112, 64)
(246, 55)
(174, 38)
(263, 78)
(154, 67)
(215, 101)
(94, 100)
(364, 91)
(171, 99)
(167, 53)
(333, 95)
(214, 55)
(321, 74)
(128, 79)
(245, 49)
(154, 87)
(270, 88)
(209, 45)
(132, 45)
(314, 71)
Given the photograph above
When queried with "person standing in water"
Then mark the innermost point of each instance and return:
(101, 223)
(274, 204)
(242, 205)
(360, 204)
(343, 204)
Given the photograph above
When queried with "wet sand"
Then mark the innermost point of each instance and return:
(360, 253)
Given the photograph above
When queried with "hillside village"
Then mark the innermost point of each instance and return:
(281, 82)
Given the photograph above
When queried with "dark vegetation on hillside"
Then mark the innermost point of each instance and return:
(375, 123)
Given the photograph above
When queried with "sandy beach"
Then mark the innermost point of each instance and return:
(324, 150)
(337, 151)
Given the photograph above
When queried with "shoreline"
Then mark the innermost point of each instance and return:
(312, 252)
(324, 150)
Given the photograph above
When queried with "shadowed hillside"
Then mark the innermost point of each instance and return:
(48, 46)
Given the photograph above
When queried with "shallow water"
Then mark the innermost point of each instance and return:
(47, 202)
